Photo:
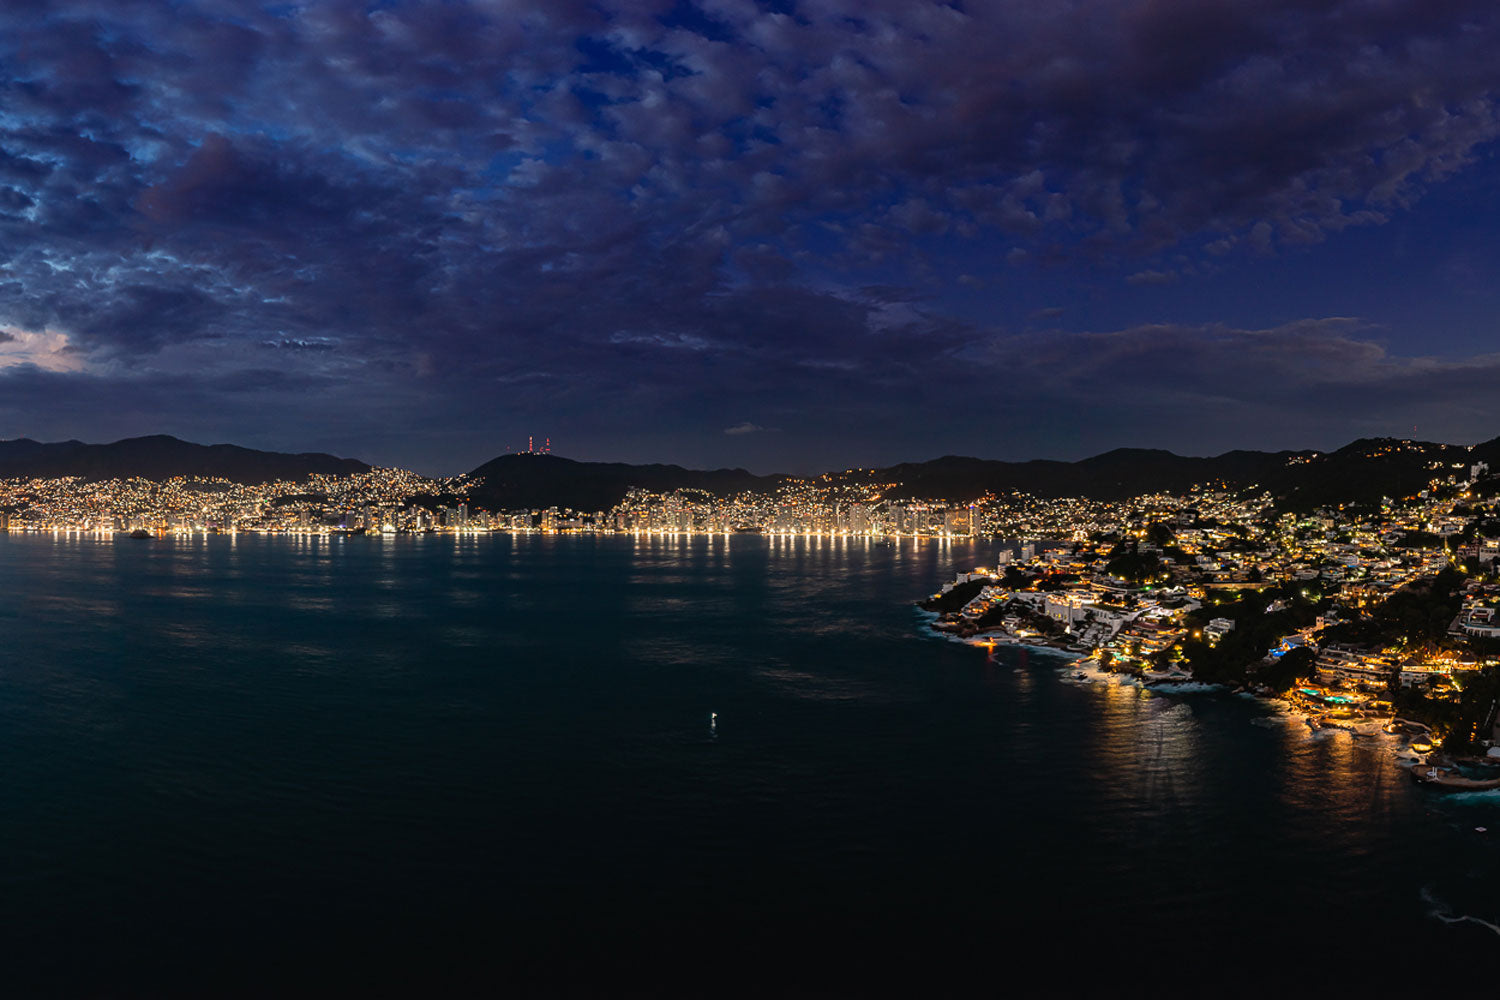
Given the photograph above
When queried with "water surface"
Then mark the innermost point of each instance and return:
(239, 764)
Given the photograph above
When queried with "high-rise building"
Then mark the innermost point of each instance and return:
(859, 519)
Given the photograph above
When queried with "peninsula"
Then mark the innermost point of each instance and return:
(1366, 617)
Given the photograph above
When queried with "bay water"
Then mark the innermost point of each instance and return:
(253, 765)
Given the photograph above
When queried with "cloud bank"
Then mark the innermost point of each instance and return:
(630, 222)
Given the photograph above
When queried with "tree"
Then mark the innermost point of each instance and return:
(1293, 666)
(1133, 566)
(956, 598)
(1160, 533)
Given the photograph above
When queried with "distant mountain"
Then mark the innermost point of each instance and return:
(1124, 472)
(162, 457)
(1366, 470)
(1361, 472)
(515, 482)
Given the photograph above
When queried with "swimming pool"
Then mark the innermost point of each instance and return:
(1332, 699)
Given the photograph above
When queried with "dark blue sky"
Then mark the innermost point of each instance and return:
(788, 235)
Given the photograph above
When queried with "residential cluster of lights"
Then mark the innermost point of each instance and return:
(1200, 551)
(374, 500)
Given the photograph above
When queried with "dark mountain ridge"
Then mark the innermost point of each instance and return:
(161, 456)
(1116, 474)
(1363, 471)
(528, 480)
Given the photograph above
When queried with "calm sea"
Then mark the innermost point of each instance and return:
(694, 766)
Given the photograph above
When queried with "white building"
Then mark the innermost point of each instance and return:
(1217, 629)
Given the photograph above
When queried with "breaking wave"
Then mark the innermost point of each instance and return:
(1489, 796)
(1184, 687)
(1439, 910)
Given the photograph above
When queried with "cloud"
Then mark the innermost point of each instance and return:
(48, 350)
(302, 344)
(694, 210)
(1153, 278)
(664, 340)
(744, 427)
(1312, 382)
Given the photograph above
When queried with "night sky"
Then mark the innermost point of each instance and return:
(791, 236)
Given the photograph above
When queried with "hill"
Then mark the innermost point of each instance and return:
(160, 457)
(1366, 470)
(1361, 472)
(1124, 472)
(535, 481)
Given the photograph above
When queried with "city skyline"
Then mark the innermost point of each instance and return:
(785, 236)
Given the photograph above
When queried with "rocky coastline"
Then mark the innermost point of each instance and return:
(1320, 711)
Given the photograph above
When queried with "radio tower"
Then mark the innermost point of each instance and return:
(547, 448)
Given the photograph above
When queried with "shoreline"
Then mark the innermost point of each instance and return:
(1078, 664)
(989, 638)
